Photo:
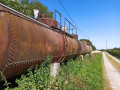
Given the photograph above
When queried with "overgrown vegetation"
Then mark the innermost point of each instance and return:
(93, 46)
(26, 6)
(86, 74)
(39, 78)
(114, 52)
(77, 74)
(2, 78)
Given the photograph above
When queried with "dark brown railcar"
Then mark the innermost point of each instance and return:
(25, 42)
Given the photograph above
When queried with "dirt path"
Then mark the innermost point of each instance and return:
(112, 74)
(113, 57)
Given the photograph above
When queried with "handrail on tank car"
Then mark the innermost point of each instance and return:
(69, 25)
(60, 18)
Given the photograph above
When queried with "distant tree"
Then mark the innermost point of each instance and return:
(26, 6)
(115, 48)
(93, 47)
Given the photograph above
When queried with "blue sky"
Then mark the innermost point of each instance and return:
(98, 19)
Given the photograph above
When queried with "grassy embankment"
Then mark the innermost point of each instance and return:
(77, 74)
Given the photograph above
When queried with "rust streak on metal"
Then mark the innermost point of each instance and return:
(25, 42)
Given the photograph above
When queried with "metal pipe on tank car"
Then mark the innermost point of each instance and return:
(60, 18)
(69, 24)
(25, 42)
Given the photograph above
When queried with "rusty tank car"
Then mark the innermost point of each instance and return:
(25, 41)
(86, 47)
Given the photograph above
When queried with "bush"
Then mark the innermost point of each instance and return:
(77, 74)
(39, 78)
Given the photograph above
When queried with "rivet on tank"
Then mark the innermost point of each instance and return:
(26, 41)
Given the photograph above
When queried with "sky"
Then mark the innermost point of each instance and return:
(97, 19)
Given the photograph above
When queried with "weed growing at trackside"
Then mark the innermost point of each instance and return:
(39, 78)
(77, 74)
(2, 77)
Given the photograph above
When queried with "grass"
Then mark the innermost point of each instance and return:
(113, 62)
(77, 74)
(86, 74)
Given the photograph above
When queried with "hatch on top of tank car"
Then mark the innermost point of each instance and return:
(48, 21)
(44, 18)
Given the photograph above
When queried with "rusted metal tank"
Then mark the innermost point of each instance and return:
(89, 48)
(25, 42)
(48, 21)
(83, 51)
(86, 47)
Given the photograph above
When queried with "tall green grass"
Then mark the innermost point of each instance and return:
(77, 74)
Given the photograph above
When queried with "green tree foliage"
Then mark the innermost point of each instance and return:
(93, 47)
(26, 6)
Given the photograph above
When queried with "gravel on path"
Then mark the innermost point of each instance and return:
(114, 58)
(112, 74)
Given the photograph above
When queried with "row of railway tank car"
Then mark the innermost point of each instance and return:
(25, 42)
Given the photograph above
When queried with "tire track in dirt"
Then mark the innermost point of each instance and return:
(113, 57)
(112, 74)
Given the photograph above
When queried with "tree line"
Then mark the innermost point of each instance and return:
(26, 7)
